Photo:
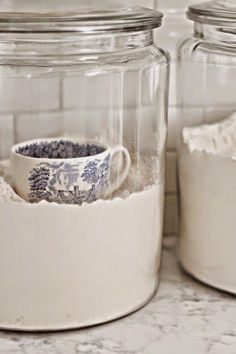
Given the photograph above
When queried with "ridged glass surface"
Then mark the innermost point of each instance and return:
(218, 12)
(72, 15)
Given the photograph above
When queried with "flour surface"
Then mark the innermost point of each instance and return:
(217, 139)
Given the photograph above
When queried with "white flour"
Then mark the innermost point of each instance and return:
(66, 266)
(207, 173)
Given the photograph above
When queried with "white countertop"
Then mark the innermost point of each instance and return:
(185, 317)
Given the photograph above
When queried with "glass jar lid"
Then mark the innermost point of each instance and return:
(86, 16)
(218, 12)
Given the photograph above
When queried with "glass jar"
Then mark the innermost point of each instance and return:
(207, 84)
(86, 73)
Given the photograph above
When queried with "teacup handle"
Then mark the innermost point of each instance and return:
(125, 168)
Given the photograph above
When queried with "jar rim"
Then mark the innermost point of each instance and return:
(218, 13)
(90, 16)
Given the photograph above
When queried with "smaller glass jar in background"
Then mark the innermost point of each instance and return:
(207, 166)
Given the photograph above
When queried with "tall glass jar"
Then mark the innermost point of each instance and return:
(207, 86)
(85, 73)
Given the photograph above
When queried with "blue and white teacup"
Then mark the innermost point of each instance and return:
(67, 171)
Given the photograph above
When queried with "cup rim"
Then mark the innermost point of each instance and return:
(47, 159)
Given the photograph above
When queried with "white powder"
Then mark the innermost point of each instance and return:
(67, 266)
(207, 173)
(7, 194)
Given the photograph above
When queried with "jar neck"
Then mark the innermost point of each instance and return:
(217, 34)
(56, 45)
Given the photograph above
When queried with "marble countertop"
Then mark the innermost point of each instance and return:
(184, 317)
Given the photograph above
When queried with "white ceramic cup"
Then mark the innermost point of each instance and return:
(74, 180)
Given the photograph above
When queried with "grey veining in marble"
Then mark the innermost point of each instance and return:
(185, 317)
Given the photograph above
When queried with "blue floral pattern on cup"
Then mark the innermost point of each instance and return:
(60, 182)
(68, 170)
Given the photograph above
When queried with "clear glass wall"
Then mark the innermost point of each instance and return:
(98, 82)
(207, 71)
(116, 98)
